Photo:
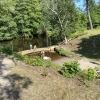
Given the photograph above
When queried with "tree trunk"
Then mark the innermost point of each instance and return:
(88, 13)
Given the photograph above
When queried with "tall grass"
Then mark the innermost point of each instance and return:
(85, 33)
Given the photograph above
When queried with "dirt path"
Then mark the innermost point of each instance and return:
(5, 83)
(85, 63)
(74, 46)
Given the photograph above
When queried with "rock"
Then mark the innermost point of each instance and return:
(46, 58)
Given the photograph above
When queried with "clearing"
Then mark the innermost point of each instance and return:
(19, 81)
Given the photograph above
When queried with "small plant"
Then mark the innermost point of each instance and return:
(97, 71)
(18, 55)
(34, 61)
(7, 50)
(61, 51)
(91, 74)
(71, 69)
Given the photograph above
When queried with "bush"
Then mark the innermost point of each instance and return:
(91, 74)
(18, 55)
(71, 69)
(7, 50)
(97, 71)
(34, 61)
(61, 51)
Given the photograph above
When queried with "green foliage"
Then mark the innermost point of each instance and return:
(8, 29)
(95, 15)
(91, 74)
(18, 55)
(27, 16)
(34, 61)
(53, 17)
(37, 61)
(97, 71)
(61, 51)
(19, 17)
(77, 34)
(60, 18)
(70, 69)
(7, 50)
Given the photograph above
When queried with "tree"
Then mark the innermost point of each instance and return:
(61, 16)
(27, 16)
(95, 15)
(92, 9)
(8, 27)
(88, 3)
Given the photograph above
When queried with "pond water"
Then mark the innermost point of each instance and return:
(21, 44)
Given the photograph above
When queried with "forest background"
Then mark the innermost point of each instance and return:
(57, 19)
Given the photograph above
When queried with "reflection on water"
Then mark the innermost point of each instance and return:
(21, 44)
(53, 55)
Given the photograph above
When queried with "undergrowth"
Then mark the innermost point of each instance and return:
(70, 69)
(36, 61)
(7, 50)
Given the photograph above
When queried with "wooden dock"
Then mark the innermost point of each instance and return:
(38, 50)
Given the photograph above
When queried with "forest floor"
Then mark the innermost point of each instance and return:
(19, 81)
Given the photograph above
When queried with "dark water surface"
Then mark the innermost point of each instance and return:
(21, 44)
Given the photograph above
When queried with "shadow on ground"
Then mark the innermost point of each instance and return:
(90, 47)
(11, 85)
(18, 83)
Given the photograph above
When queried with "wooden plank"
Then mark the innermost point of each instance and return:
(45, 49)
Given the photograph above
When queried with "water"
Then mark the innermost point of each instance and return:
(21, 44)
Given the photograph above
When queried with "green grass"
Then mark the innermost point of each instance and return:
(85, 33)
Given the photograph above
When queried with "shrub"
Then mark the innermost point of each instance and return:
(18, 55)
(91, 74)
(71, 69)
(97, 71)
(7, 50)
(61, 51)
(34, 61)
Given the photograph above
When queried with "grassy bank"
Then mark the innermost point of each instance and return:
(85, 33)
(37, 83)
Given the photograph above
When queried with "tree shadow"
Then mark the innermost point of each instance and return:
(1, 64)
(90, 47)
(11, 85)
(18, 83)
